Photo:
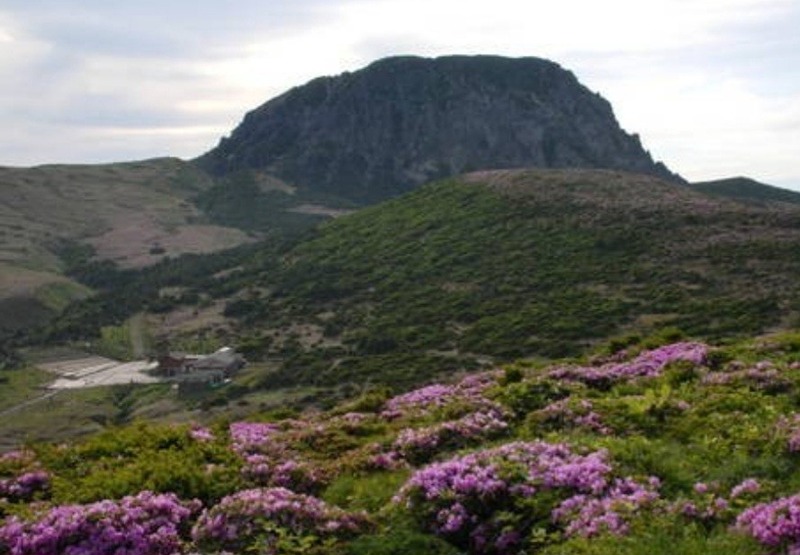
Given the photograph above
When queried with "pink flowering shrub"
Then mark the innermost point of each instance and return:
(710, 505)
(788, 430)
(587, 515)
(248, 436)
(746, 487)
(354, 423)
(486, 502)
(279, 468)
(707, 509)
(25, 486)
(418, 445)
(421, 400)
(647, 364)
(268, 459)
(201, 434)
(390, 460)
(469, 392)
(21, 477)
(761, 376)
(775, 524)
(569, 413)
(16, 459)
(144, 524)
(238, 519)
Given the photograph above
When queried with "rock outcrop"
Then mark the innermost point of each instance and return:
(381, 131)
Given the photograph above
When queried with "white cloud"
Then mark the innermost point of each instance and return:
(525, 27)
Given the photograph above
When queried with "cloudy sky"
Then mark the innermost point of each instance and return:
(711, 86)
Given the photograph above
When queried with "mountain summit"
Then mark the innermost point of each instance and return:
(402, 121)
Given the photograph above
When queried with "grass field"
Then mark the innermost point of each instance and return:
(67, 414)
(21, 385)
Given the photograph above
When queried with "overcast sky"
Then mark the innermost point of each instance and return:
(711, 86)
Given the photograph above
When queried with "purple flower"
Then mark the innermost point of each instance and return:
(775, 524)
(201, 434)
(390, 460)
(747, 486)
(25, 486)
(246, 436)
(647, 364)
(469, 392)
(579, 414)
(761, 376)
(464, 498)
(588, 516)
(240, 517)
(144, 524)
(700, 487)
(790, 426)
(420, 444)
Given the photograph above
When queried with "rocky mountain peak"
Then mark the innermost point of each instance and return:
(381, 131)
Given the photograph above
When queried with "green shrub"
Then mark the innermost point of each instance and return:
(400, 537)
(530, 395)
(370, 492)
(662, 536)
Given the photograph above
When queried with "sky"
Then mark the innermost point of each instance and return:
(712, 87)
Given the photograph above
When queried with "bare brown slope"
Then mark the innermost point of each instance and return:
(132, 213)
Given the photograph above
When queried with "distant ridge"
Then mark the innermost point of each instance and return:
(400, 122)
(744, 188)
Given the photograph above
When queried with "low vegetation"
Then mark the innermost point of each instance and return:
(246, 200)
(491, 267)
(56, 219)
(742, 188)
(504, 265)
(643, 447)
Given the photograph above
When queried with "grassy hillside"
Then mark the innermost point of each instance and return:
(651, 449)
(643, 444)
(133, 214)
(522, 263)
(39, 206)
(742, 188)
(66, 225)
(494, 266)
(258, 202)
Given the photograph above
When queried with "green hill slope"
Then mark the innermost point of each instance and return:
(743, 188)
(133, 214)
(521, 263)
(492, 266)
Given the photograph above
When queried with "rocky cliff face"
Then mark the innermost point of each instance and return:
(399, 122)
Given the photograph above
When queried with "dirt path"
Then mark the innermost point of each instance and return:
(94, 371)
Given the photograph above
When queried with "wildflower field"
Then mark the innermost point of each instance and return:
(646, 447)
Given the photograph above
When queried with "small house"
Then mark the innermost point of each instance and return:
(171, 365)
(213, 368)
(225, 360)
